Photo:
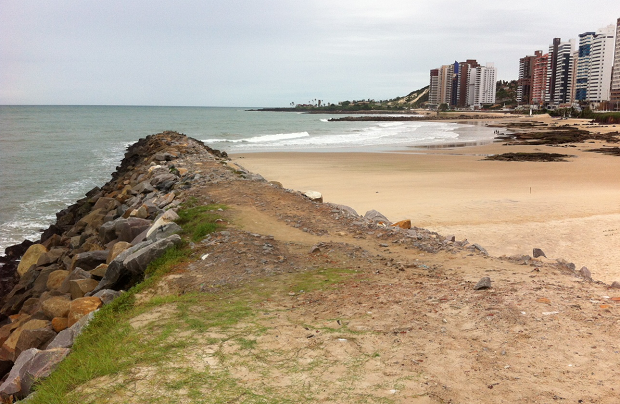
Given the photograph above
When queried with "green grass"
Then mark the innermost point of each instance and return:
(198, 220)
(111, 347)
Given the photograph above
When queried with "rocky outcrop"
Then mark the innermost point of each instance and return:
(97, 247)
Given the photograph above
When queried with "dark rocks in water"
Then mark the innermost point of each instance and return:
(8, 268)
(546, 157)
(483, 283)
(537, 252)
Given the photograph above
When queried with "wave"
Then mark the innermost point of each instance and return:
(261, 139)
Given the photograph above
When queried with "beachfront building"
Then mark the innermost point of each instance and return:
(462, 79)
(614, 95)
(583, 66)
(559, 73)
(526, 73)
(462, 85)
(481, 89)
(594, 66)
(539, 79)
(433, 89)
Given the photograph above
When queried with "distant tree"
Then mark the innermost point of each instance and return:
(442, 107)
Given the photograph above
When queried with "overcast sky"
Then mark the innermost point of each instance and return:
(265, 53)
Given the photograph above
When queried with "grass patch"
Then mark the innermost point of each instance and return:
(111, 355)
(198, 220)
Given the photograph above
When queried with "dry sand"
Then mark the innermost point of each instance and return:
(569, 209)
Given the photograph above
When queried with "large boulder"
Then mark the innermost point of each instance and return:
(116, 269)
(37, 338)
(40, 284)
(169, 217)
(77, 273)
(56, 278)
(137, 262)
(107, 295)
(376, 217)
(56, 306)
(29, 367)
(65, 338)
(81, 307)
(30, 258)
(106, 204)
(8, 349)
(128, 229)
(79, 287)
(89, 260)
(51, 256)
(116, 249)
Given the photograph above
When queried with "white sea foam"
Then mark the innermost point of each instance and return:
(261, 139)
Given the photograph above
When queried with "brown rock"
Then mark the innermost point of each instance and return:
(78, 288)
(99, 272)
(117, 249)
(7, 352)
(54, 241)
(55, 279)
(60, 323)
(57, 306)
(141, 213)
(30, 258)
(106, 204)
(31, 306)
(403, 224)
(81, 307)
(51, 256)
(34, 339)
(615, 285)
(93, 220)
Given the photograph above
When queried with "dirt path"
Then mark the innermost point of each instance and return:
(406, 325)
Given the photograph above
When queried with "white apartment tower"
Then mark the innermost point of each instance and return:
(481, 88)
(615, 78)
(602, 64)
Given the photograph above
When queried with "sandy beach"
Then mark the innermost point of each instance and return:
(570, 209)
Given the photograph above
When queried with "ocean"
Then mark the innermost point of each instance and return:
(51, 155)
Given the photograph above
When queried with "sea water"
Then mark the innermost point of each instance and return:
(51, 155)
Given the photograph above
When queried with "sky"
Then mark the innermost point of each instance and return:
(265, 53)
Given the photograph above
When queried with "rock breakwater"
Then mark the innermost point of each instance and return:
(97, 247)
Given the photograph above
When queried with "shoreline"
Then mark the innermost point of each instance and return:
(569, 209)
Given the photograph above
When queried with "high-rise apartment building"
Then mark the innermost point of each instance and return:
(614, 95)
(462, 80)
(539, 79)
(584, 60)
(433, 89)
(594, 65)
(559, 72)
(482, 82)
(462, 84)
(526, 72)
